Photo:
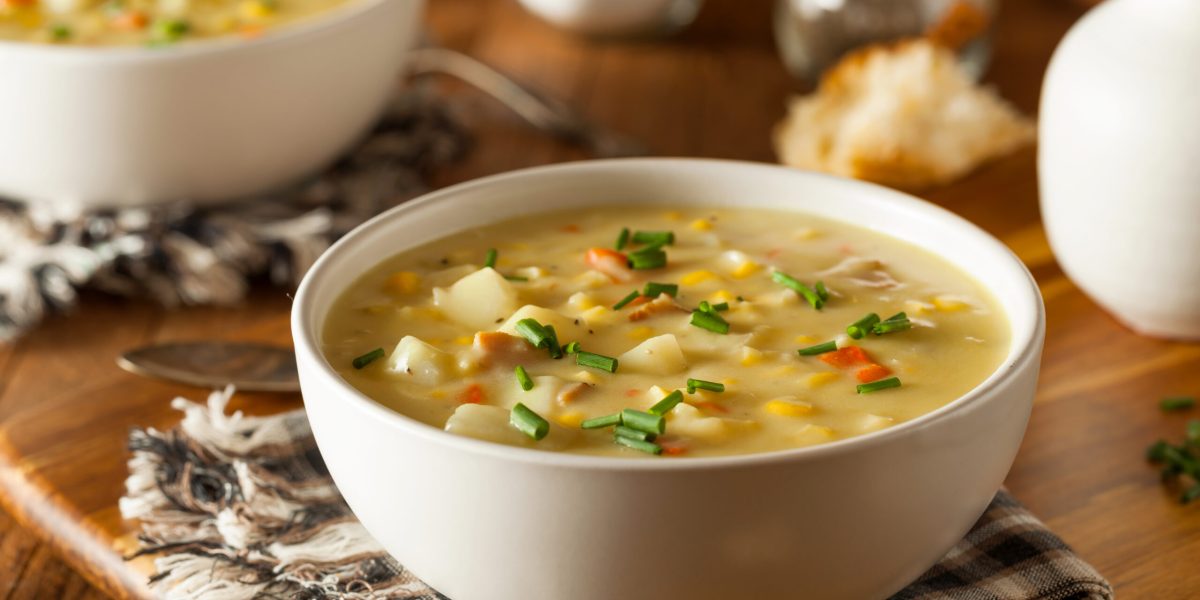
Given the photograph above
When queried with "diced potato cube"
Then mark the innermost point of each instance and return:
(599, 315)
(420, 361)
(478, 300)
(659, 355)
(688, 420)
(788, 406)
(491, 423)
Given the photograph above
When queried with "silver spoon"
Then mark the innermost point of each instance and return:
(212, 364)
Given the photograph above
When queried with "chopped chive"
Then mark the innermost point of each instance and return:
(861, 327)
(704, 307)
(822, 292)
(700, 384)
(571, 348)
(490, 260)
(623, 238)
(1193, 432)
(516, 278)
(900, 316)
(822, 348)
(523, 378)
(710, 321)
(652, 290)
(661, 238)
(647, 447)
(601, 422)
(534, 332)
(794, 284)
(643, 421)
(166, 31)
(882, 384)
(722, 307)
(556, 351)
(629, 432)
(368, 358)
(741, 299)
(668, 402)
(60, 32)
(653, 259)
(1157, 452)
(626, 300)
(1177, 403)
(528, 422)
(885, 327)
(596, 361)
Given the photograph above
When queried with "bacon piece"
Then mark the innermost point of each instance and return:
(663, 303)
(493, 347)
(570, 392)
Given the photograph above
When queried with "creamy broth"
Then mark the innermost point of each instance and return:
(148, 22)
(425, 309)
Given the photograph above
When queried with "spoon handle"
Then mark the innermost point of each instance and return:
(211, 364)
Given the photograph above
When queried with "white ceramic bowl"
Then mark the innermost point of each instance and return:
(205, 121)
(854, 519)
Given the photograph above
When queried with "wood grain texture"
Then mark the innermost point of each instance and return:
(716, 91)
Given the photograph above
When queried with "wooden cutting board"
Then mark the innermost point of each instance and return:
(65, 409)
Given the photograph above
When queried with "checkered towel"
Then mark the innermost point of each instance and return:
(237, 507)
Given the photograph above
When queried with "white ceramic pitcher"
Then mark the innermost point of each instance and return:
(1119, 161)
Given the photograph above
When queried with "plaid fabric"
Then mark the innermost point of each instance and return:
(237, 507)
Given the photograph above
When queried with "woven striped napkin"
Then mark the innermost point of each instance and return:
(235, 507)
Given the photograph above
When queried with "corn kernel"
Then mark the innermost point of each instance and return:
(582, 301)
(702, 225)
(570, 419)
(814, 434)
(751, 356)
(784, 371)
(949, 303)
(598, 315)
(788, 408)
(916, 307)
(464, 340)
(745, 269)
(672, 215)
(696, 277)
(437, 394)
(806, 339)
(640, 333)
(819, 379)
(722, 296)
(255, 9)
(592, 279)
(402, 282)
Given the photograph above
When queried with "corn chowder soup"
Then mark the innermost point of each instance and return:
(147, 22)
(639, 332)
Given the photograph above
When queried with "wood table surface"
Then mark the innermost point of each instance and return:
(713, 91)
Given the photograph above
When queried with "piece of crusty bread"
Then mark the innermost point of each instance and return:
(904, 115)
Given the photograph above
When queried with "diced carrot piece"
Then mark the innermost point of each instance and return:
(674, 450)
(130, 20)
(610, 262)
(773, 252)
(846, 357)
(473, 394)
(570, 228)
(872, 372)
(632, 392)
(638, 300)
(571, 392)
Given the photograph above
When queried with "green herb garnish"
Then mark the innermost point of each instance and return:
(652, 290)
(821, 348)
(528, 422)
(368, 358)
(166, 31)
(647, 447)
(535, 333)
(523, 378)
(1177, 403)
(1180, 464)
(700, 384)
(796, 286)
(643, 421)
(626, 300)
(651, 258)
(596, 361)
(882, 384)
(571, 348)
(861, 327)
(601, 422)
(710, 321)
(722, 307)
(60, 32)
(623, 238)
(668, 402)
(516, 278)
(629, 432)
(660, 238)
(489, 260)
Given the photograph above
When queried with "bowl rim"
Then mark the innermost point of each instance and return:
(307, 346)
(313, 26)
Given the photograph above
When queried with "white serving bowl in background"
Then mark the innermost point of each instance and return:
(854, 519)
(203, 121)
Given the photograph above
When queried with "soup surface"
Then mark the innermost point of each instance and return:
(147, 22)
(730, 333)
